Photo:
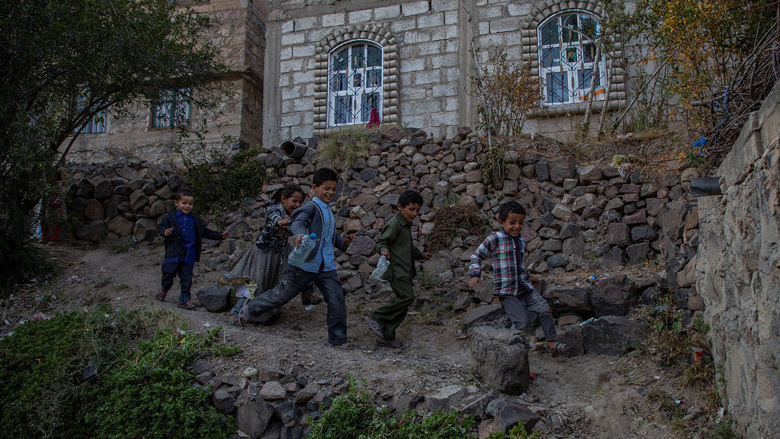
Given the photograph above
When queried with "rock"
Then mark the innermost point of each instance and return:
(588, 174)
(121, 226)
(444, 399)
(214, 298)
(266, 318)
(642, 234)
(285, 410)
(562, 212)
(145, 229)
(94, 210)
(272, 390)
(610, 299)
(223, 400)
(500, 357)
(557, 261)
(563, 168)
(307, 393)
(637, 253)
(103, 190)
(489, 315)
(568, 300)
(583, 202)
(477, 408)
(112, 206)
(138, 200)
(94, 231)
(639, 217)
(612, 335)
(649, 296)
(614, 258)
(175, 182)
(361, 245)
(85, 189)
(618, 234)
(254, 416)
(164, 193)
(542, 170)
(158, 208)
(507, 413)
(573, 338)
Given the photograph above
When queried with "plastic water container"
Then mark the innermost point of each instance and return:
(298, 255)
(381, 268)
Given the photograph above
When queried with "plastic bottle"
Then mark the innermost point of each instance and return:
(298, 255)
(381, 268)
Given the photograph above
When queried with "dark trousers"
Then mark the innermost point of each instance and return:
(391, 314)
(184, 271)
(517, 308)
(296, 281)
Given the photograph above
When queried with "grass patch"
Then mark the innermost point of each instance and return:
(343, 147)
(355, 415)
(106, 374)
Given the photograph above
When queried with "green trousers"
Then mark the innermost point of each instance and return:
(392, 313)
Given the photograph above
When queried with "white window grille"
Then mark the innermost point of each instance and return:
(354, 83)
(96, 125)
(172, 110)
(567, 52)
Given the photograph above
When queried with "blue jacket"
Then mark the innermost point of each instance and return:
(308, 219)
(174, 245)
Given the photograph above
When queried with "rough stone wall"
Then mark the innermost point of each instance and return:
(239, 33)
(434, 59)
(738, 272)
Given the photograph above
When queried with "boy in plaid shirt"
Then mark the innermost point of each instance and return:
(511, 282)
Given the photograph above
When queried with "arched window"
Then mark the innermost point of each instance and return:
(567, 51)
(354, 83)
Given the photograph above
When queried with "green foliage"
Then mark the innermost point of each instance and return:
(343, 147)
(724, 429)
(65, 62)
(517, 432)
(450, 218)
(219, 181)
(46, 392)
(355, 416)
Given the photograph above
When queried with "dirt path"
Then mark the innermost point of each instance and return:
(583, 397)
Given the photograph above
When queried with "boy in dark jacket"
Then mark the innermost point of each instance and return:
(183, 232)
(320, 265)
(396, 245)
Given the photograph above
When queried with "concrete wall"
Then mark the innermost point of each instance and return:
(738, 273)
(239, 33)
(433, 67)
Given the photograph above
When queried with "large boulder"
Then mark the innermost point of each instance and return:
(507, 413)
(94, 210)
(444, 398)
(121, 226)
(612, 335)
(94, 231)
(501, 358)
(145, 230)
(609, 298)
(488, 315)
(214, 298)
(569, 300)
(253, 417)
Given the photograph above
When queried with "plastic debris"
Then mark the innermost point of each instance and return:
(592, 278)
(590, 320)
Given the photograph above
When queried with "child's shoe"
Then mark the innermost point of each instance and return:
(188, 305)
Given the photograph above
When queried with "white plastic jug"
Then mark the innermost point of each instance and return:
(298, 255)
(381, 268)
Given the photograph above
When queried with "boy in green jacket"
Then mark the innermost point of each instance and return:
(396, 246)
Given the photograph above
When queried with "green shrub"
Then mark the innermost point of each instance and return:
(219, 182)
(47, 392)
(517, 432)
(355, 416)
(343, 147)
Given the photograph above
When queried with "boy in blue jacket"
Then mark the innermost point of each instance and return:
(183, 232)
(320, 265)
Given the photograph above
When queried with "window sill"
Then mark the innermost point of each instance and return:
(573, 109)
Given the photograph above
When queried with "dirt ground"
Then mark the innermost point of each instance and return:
(582, 397)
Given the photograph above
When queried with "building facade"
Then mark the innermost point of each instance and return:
(238, 32)
(335, 64)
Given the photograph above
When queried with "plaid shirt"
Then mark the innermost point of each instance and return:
(510, 277)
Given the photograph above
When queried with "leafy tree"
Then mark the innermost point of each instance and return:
(64, 62)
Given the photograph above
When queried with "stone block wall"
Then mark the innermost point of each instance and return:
(738, 272)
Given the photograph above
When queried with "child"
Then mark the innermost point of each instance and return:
(396, 245)
(319, 266)
(511, 282)
(263, 264)
(184, 232)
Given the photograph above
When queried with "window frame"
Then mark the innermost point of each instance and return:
(575, 68)
(336, 116)
(173, 100)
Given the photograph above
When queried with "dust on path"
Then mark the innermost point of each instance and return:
(583, 397)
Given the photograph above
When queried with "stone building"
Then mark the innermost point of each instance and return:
(239, 34)
(307, 67)
(331, 64)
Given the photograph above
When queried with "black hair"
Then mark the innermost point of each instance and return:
(410, 196)
(184, 193)
(286, 192)
(510, 207)
(324, 174)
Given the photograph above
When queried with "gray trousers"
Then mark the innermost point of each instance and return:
(517, 308)
(294, 282)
